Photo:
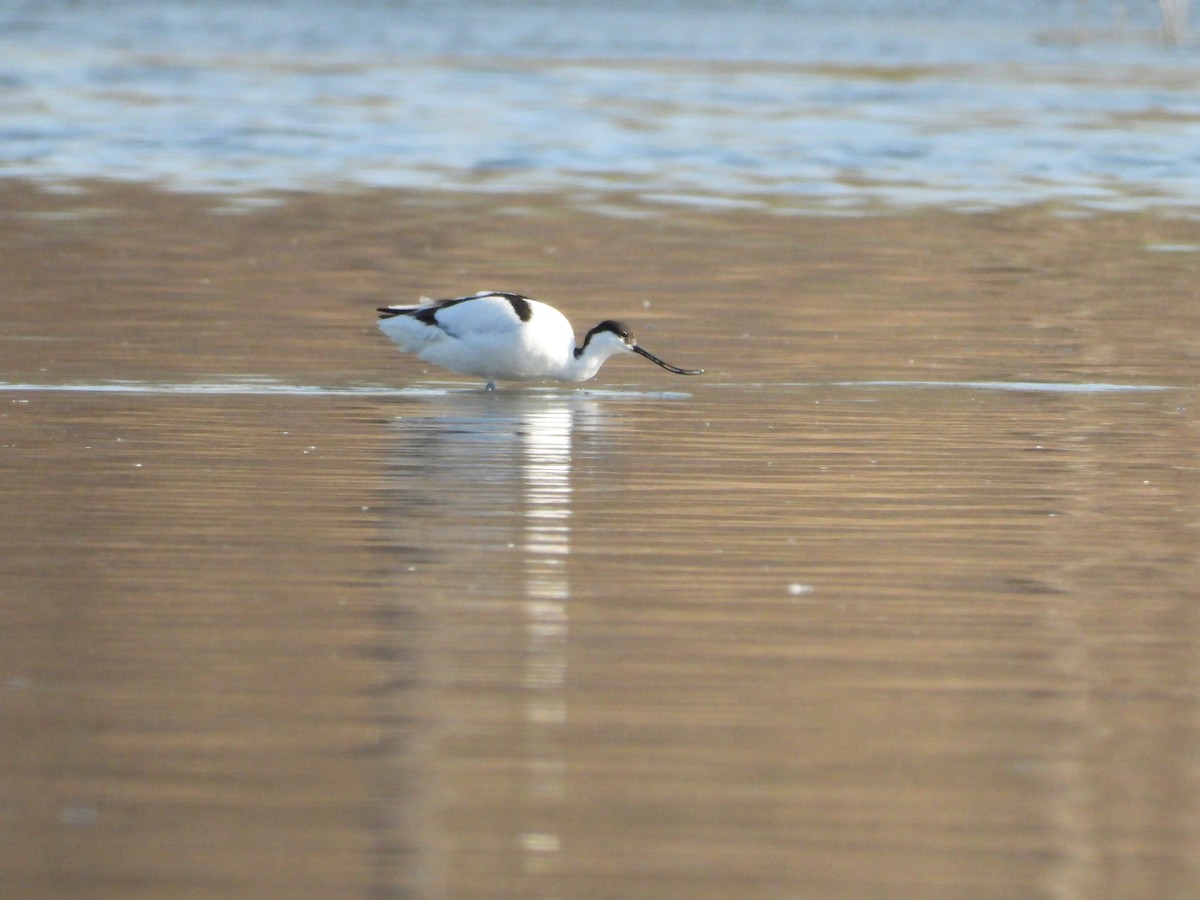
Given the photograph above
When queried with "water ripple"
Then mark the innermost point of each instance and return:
(270, 388)
(819, 111)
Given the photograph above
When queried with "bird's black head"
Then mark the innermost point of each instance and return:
(620, 329)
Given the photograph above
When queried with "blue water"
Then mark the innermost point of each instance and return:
(808, 106)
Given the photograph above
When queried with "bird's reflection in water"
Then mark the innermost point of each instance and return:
(482, 515)
(546, 485)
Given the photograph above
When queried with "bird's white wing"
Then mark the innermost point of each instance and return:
(482, 314)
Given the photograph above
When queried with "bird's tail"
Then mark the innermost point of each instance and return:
(390, 312)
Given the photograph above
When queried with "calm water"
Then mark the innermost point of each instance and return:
(897, 600)
(800, 106)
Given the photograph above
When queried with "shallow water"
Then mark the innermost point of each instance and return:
(898, 600)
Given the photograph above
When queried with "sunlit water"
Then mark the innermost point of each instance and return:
(451, 643)
(266, 387)
(897, 600)
(804, 106)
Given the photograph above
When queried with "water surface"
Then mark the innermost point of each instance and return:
(897, 600)
(821, 107)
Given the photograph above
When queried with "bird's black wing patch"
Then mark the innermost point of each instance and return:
(520, 305)
(427, 315)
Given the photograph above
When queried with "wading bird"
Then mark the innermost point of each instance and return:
(501, 336)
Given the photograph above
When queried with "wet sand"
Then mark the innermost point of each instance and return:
(783, 632)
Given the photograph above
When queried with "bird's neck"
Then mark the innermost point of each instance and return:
(582, 365)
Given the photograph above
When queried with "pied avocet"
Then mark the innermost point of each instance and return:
(503, 336)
